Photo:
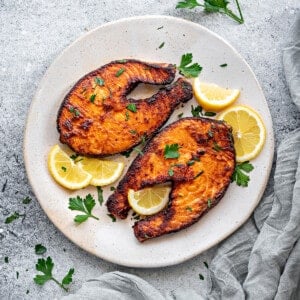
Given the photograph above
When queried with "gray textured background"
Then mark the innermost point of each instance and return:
(32, 34)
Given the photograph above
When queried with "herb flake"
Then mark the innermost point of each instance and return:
(92, 98)
(120, 72)
(113, 218)
(100, 195)
(132, 107)
(161, 45)
(171, 151)
(26, 200)
(40, 249)
(99, 81)
(223, 65)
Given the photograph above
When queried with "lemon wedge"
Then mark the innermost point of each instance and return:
(65, 171)
(213, 97)
(149, 201)
(103, 172)
(249, 131)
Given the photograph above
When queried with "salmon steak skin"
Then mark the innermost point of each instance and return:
(199, 177)
(97, 119)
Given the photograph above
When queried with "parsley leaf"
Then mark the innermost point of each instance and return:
(84, 205)
(131, 107)
(223, 65)
(186, 68)
(209, 203)
(209, 114)
(239, 175)
(179, 116)
(100, 195)
(99, 81)
(201, 277)
(6, 259)
(74, 111)
(40, 249)
(214, 6)
(171, 151)
(46, 267)
(217, 147)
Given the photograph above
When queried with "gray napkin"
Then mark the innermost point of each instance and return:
(259, 261)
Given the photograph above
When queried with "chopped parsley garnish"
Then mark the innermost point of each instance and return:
(187, 68)
(179, 116)
(239, 175)
(46, 267)
(205, 264)
(197, 111)
(4, 186)
(74, 156)
(171, 172)
(143, 140)
(13, 217)
(40, 249)
(17, 275)
(161, 45)
(99, 81)
(122, 61)
(64, 169)
(212, 6)
(74, 111)
(132, 131)
(92, 98)
(120, 72)
(84, 205)
(126, 116)
(113, 218)
(112, 188)
(100, 195)
(189, 208)
(209, 203)
(171, 151)
(26, 200)
(6, 259)
(209, 114)
(190, 162)
(201, 277)
(131, 107)
(161, 27)
(223, 65)
(217, 147)
(27, 292)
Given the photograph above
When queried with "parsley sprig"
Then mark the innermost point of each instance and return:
(84, 205)
(46, 267)
(187, 68)
(211, 6)
(239, 175)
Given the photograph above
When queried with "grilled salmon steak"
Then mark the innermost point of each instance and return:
(199, 176)
(97, 119)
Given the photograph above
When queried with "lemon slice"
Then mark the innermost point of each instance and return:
(213, 97)
(104, 172)
(65, 171)
(249, 131)
(149, 201)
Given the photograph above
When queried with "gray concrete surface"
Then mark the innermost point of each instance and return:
(32, 34)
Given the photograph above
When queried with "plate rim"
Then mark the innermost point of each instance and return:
(116, 260)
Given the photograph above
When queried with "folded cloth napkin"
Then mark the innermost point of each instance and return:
(259, 261)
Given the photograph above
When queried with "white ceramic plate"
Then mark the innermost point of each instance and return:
(140, 38)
